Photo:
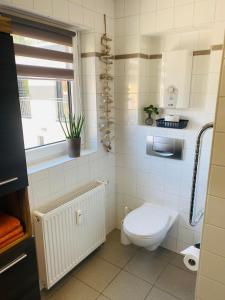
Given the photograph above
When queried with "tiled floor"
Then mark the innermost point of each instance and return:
(119, 272)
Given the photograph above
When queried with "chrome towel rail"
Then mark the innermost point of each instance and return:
(195, 172)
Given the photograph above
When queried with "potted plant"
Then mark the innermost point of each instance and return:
(150, 110)
(72, 127)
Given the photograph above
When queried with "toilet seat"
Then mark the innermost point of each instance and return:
(148, 221)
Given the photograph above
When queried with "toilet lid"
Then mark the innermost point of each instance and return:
(146, 221)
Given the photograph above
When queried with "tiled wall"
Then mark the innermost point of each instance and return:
(53, 182)
(141, 178)
(211, 276)
(75, 12)
(166, 15)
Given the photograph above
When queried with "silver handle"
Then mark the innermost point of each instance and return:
(8, 181)
(14, 262)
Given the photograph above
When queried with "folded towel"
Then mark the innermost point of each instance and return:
(7, 224)
(12, 239)
(11, 234)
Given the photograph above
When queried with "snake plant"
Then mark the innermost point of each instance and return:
(72, 126)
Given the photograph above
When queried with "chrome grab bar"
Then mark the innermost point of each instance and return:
(195, 172)
(13, 263)
(8, 181)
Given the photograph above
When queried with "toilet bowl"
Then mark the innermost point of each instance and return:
(147, 225)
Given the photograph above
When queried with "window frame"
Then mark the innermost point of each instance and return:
(70, 105)
(47, 152)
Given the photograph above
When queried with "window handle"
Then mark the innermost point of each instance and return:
(8, 181)
(13, 263)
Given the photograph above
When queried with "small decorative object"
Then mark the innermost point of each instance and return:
(106, 120)
(72, 127)
(172, 118)
(150, 110)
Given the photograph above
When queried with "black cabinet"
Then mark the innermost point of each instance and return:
(13, 172)
(18, 273)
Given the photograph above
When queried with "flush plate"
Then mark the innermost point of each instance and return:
(165, 147)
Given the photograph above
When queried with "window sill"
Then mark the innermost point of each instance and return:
(35, 168)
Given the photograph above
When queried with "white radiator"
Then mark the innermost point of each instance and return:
(68, 230)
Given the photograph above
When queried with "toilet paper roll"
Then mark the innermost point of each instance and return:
(172, 118)
(191, 258)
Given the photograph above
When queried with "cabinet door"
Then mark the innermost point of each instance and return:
(13, 173)
(18, 273)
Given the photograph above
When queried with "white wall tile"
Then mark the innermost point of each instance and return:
(120, 27)
(75, 14)
(147, 23)
(88, 18)
(99, 23)
(119, 6)
(204, 39)
(182, 2)
(43, 7)
(220, 11)
(132, 7)
(215, 61)
(132, 25)
(148, 5)
(26, 4)
(7, 2)
(204, 12)
(183, 16)
(162, 4)
(201, 64)
(164, 20)
(61, 10)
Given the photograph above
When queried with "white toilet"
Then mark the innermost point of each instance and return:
(147, 225)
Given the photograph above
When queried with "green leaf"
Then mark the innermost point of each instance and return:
(73, 126)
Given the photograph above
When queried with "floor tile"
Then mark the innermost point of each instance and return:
(161, 253)
(74, 290)
(127, 287)
(96, 272)
(177, 282)
(101, 274)
(46, 294)
(166, 254)
(145, 266)
(114, 252)
(102, 297)
(114, 235)
(156, 294)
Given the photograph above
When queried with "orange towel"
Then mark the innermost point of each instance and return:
(11, 234)
(7, 224)
(12, 239)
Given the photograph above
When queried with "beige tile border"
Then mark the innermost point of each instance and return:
(217, 47)
(201, 52)
(90, 54)
(151, 56)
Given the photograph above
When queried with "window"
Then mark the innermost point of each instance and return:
(41, 110)
(25, 106)
(45, 73)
